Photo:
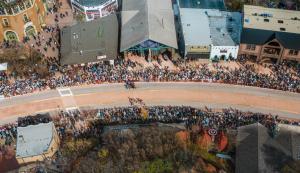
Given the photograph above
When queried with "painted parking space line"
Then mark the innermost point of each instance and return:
(63, 92)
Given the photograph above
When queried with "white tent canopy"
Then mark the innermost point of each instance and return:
(3, 66)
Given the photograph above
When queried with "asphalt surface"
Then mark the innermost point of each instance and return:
(158, 90)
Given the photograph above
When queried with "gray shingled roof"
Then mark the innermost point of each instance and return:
(147, 20)
(258, 152)
(260, 37)
(83, 42)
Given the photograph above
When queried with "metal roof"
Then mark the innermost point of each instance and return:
(225, 27)
(34, 140)
(260, 37)
(195, 26)
(147, 20)
(203, 27)
(257, 17)
(84, 42)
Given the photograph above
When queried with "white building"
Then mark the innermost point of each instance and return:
(210, 33)
(225, 28)
(93, 9)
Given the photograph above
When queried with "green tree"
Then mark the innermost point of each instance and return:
(157, 166)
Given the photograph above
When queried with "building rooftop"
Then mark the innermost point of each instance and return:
(34, 139)
(144, 20)
(202, 27)
(225, 27)
(257, 17)
(267, 153)
(195, 26)
(91, 3)
(261, 37)
(90, 41)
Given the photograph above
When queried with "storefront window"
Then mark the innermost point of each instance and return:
(30, 31)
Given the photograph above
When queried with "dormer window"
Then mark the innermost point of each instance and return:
(293, 52)
(5, 22)
(25, 18)
(280, 21)
(282, 29)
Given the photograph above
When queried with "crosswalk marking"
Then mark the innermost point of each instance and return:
(65, 92)
(70, 109)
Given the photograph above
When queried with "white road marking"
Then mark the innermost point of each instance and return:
(64, 92)
(70, 109)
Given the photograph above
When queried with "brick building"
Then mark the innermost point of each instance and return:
(270, 34)
(20, 18)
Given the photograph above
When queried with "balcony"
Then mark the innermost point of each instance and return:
(15, 7)
(271, 52)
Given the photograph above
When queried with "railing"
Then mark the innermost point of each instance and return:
(272, 52)
(16, 7)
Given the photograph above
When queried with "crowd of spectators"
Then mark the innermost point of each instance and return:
(227, 118)
(280, 78)
(91, 122)
(34, 120)
(8, 134)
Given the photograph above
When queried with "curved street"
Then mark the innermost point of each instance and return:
(217, 96)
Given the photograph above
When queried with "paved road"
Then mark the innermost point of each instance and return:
(217, 96)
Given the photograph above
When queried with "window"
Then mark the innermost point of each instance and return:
(30, 31)
(293, 52)
(280, 21)
(223, 51)
(11, 36)
(298, 154)
(250, 47)
(22, 7)
(282, 29)
(266, 20)
(27, 4)
(5, 22)
(37, 8)
(25, 18)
